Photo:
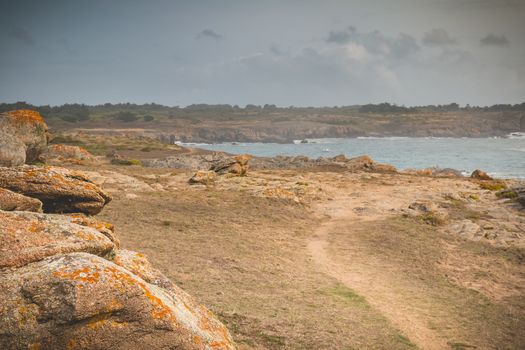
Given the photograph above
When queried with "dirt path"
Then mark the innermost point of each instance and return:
(366, 279)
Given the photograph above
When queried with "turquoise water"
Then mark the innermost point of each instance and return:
(501, 157)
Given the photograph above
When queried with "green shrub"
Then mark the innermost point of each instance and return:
(509, 194)
(492, 185)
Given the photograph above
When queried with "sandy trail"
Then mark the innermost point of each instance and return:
(366, 279)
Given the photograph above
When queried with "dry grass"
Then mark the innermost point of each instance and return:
(245, 258)
(418, 263)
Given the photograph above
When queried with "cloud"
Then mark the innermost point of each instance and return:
(276, 50)
(438, 37)
(494, 40)
(209, 33)
(375, 43)
(23, 35)
(341, 37)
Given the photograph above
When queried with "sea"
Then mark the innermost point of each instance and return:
(502, 157)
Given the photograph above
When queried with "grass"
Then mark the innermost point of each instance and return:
(119, 161)
(272, 340)
(405, 341)
(460, 346)
(346, 294)
(101, 144)
(417, 265)
(432, 218)
(243, 257)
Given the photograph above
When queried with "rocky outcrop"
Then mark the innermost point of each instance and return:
(480, 175)
(518, 193)
(66, 153)
(29, 128)
(434, 172)
(12, 150)
(361, 163)
(203, 177)
(83, 301)
(29, 237)
(10, 201)
(237, 165)
(67, 285)
(60, 190)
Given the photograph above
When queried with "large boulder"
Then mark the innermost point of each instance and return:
(66, 153)
(480, 175)
(12, 150)
(60, 190)
(83, 301)
(203, 177)
(29, 127)
(365, 163)
(28, 237)
(10, 201)
(237, 165)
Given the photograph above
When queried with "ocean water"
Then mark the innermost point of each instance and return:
(500, 157)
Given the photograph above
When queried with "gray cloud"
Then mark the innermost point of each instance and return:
(438, 37)
(209, 33)
(276, 50)
(494, 40)
(341, 37)
(23, 35)
(375, 43)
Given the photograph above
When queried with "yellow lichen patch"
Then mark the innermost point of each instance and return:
(84, 274)
(197, 340)
(35, 346)
(114, 305)
(26, 314)
(97, 324)
(71, 343)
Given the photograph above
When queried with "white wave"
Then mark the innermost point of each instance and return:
(384, 137)
(190, 144)
(516, 135)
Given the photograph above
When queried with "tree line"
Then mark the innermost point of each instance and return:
(129, 112)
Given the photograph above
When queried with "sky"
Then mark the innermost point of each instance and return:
(287, 52)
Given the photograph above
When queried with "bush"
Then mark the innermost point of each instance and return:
(492, 185)
(126, 117)
(509, 194)
(119, 161)
(432, 218)
(148, 118)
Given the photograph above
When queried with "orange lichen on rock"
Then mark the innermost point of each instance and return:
(160, 309)
(35, 346)
(36, 226)
(27, 237)
(25, 116)
(85, 274)
(60, 190)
